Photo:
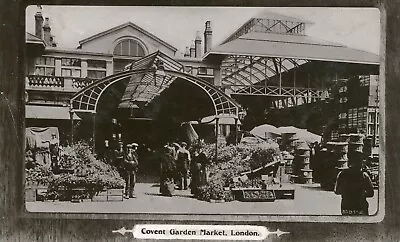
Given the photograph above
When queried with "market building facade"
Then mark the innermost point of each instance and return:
(269, 65)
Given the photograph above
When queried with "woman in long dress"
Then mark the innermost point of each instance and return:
(198, 170)
(167, 171)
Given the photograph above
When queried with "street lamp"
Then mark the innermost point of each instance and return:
(159, 71)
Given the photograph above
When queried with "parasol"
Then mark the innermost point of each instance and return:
(266, 131)
(301, 134)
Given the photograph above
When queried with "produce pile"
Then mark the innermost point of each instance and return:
(83, 171)
(39, 175)
(230, 163)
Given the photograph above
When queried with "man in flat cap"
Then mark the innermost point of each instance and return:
(183, 164)
(131, 167)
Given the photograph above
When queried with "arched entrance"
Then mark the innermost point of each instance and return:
(136, 98)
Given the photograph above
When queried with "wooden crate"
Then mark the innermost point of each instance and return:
(115, 195)
(256, 195)
(284, 193)
(110, 195)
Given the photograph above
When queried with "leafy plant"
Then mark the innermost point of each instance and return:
(39, 175)
(85, 171)
(231, 161)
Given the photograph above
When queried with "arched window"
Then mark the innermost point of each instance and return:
(129, 47)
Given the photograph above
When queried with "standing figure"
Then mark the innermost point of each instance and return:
(183, 164)
(167, 171)
(131, 164)
(118, 158)
(54, 150)
(106, 153)
(355, 186)
(198, 170)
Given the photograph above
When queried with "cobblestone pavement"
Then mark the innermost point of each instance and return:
(309, 200)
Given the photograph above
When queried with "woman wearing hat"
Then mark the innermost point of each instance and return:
(131, 166)
(354, 185)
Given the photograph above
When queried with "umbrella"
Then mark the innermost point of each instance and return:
(265, 131)
(223, 119)
(301, 134)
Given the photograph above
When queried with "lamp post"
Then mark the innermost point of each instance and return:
(216, 136)
(71, 118)
(159, 71)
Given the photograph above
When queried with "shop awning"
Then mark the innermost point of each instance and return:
(45, 112)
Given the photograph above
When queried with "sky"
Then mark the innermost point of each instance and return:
(354, 27)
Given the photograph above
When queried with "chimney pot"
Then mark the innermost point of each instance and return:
(197, 43)
(47, 32)
(39, 24)
(192, 51)
(187, 52)
(207, 37)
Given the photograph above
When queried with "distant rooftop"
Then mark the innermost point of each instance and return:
(269, 22)
(276, 16)
(31, 38)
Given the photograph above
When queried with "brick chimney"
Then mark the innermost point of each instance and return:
(47, 32)
(197, 43)
(207, 37)
(39, 24)
(192, 51)
(187, 52)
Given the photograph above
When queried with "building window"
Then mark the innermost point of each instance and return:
(71, 67)
(205, 71)
(95, 74)
(96, 69)
(45, 66)
(71, 62)
(98, 64)
(202, 71)
(119, 64)
(129, 47)
(70, 72)
(364, 81)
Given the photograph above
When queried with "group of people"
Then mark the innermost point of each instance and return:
(178, 166)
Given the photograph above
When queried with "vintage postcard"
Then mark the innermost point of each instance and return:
(215, 111)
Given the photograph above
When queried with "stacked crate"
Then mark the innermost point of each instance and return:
(288, 164)
(305, 174)
(341, 150)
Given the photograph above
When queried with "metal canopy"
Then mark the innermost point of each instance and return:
(264, 63)
(147, 78)
(292, 46)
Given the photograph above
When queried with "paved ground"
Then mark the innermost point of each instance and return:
(309, 200)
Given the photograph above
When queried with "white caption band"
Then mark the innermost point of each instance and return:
(212, 232)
